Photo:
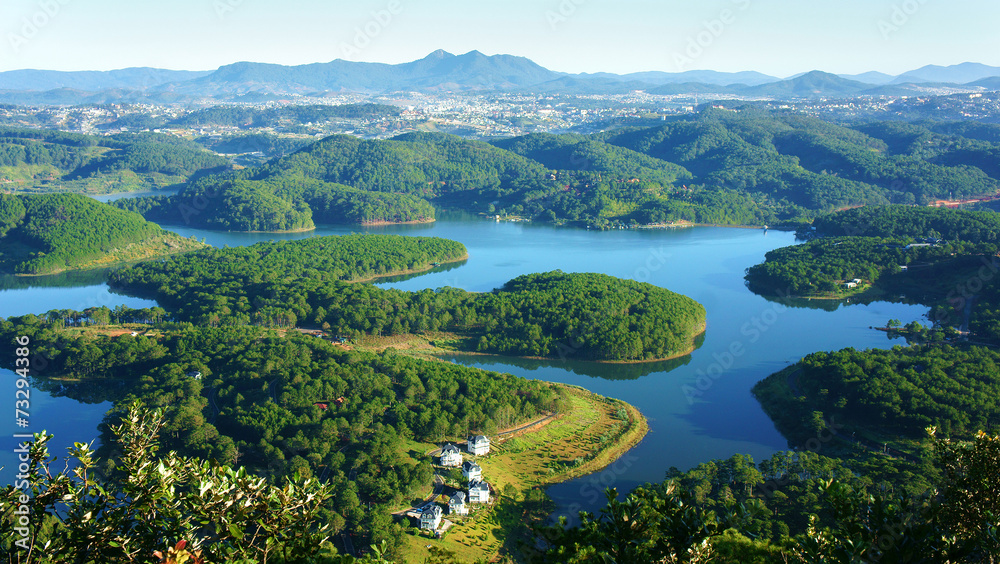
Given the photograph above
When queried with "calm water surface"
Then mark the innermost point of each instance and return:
(699, 407)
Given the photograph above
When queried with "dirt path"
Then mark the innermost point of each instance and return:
(539, 421)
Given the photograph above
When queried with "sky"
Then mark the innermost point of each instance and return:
(776, 37)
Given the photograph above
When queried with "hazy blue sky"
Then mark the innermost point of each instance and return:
(778, 37)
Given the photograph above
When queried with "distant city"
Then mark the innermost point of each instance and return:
(492, 115)
(471, 95)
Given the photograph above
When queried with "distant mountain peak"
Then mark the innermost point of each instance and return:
(439, 54)
(442, 71)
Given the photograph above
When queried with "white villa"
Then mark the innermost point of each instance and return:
(479, 445)
(430, 518)
(456, 505)
(479, 492)
(472, 471)
(451, 456)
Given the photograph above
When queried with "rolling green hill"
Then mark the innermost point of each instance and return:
(589, 316)
(44, 234)
(721, 166)
(35, 160)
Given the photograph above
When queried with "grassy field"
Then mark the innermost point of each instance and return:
(166, 244)
(161, 245)
(585, 438)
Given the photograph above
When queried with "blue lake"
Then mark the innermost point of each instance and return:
(699, 407)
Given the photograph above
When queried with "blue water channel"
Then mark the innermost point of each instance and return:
(699, 407)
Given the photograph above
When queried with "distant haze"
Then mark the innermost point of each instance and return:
(443, 72)
(776, 38)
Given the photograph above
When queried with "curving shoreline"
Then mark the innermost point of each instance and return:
(408, 271)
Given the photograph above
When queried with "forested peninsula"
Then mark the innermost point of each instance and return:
(50, 233)
(900, 391)
(943, 258)
(242, 389)
(308, 282)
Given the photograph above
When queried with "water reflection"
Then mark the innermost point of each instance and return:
(71, 416)
(71, 279)
(601, 370)
(434, 270)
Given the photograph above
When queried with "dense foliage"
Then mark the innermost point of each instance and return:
(911, 221)
(824, 265)
(12, 212)
(154, 504)
(898, 250)
(282, 284)
(256, 404)
(903, 390)
(248, 116)
(316, 259)
(53, 232)
(796, 507)
(582, 154)
(235, 203)
(591, 315)
(43, 159)
(720, 166)
(144, 153)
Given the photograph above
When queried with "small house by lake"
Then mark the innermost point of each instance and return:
(430, 518)
(451, 456)
(456, 505)
(479, 492)
(472, 471)
(479, 445)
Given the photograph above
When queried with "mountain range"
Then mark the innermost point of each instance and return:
(445, 72)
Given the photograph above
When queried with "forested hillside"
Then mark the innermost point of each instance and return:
(866, 481)
(587, 315)
(903, 390)
(911, 221)
(44, 160)
(242, 116)
(898, 251)
(235, 203)
(745, 167)
(825, 265)
(256, 404)
(54, 232)
(798, 507)
(283, 284)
